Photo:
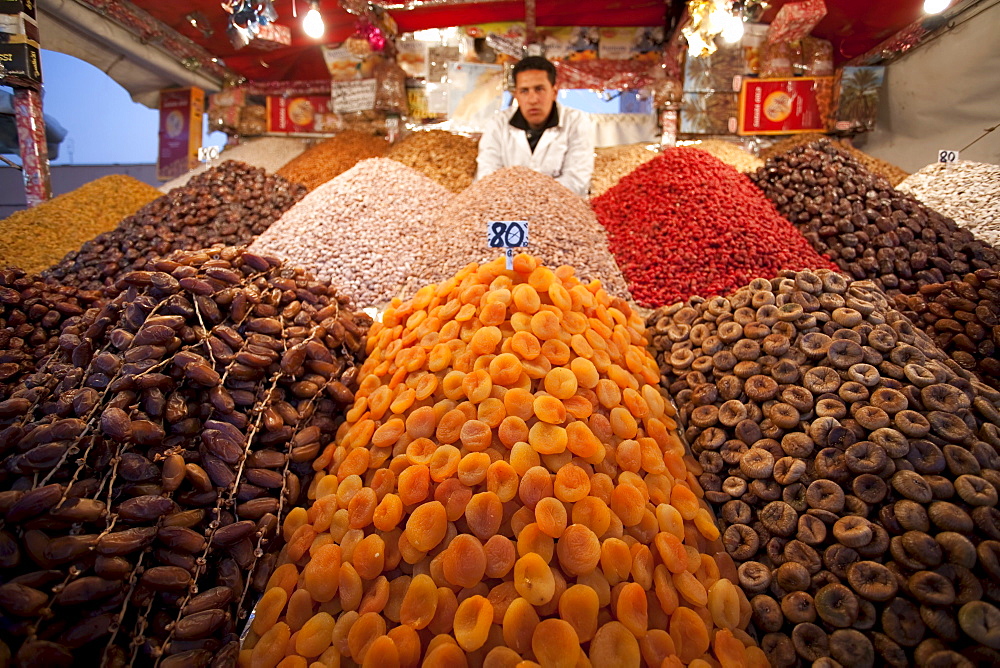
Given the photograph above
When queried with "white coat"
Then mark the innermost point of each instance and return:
(564, 152)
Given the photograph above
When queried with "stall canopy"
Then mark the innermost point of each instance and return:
(854, 27)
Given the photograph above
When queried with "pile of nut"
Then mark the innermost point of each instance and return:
(687, 224)
(968, 192)
(36, 238)
(508, 486)
(869, 229)
(361, 229)
(333, 157)
(268, 153)
(730, 153)
(854, 467)
(890, 172)
(963, 319)
(445, 157)
(611, 163)
(562, 229)
(227, 205)
(150, 461)
(33, 314)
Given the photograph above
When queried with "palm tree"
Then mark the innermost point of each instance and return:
(859, 95)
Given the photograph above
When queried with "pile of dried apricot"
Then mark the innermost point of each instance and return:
(508, 489)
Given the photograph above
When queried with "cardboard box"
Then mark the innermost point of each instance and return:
(181, 112)
(785, 106)
(22, 65)
(18, 7)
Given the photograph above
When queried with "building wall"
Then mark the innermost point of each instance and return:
(943, 95)
(64, 179)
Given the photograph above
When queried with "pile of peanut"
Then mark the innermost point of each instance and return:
(449, 159)
(611, 163)
(361, 230)
(562, 229)
(333, 157)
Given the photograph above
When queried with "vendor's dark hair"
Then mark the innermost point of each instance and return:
(535, 63)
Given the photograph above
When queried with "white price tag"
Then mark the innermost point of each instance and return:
(208, 153)
(947, 156)
(509, 234)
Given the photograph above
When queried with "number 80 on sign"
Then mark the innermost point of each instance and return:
(508, 234)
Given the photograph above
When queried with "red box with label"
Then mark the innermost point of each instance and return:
(784, 106)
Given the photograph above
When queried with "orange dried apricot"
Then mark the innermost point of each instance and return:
(593, 513)
(426, 525)
(485, 340)
(491, 412)
(473, 619)
(556, 352)
(519, 623)
(614, 645)
(321, 576)
(555, 643)
(363, 633)
(550, 515)
(533, 579)
(579, 606)
(476, 436)
(688, 631)
(536, 483)
(464, 561)
(502, 480)
(627, 503)
(571, 483)
(547, 439)
(484, 514)
(500, 556)
(414, 484)
(512, 429)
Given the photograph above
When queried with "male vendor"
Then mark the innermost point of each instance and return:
(539, 133)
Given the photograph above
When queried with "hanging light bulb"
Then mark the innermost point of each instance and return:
(718, 18)
(733, 30)
(935, 6)
(313, 24)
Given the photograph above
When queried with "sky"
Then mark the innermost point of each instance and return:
(106, 127)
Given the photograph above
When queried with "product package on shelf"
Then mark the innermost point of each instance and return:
(715, 72)
(709, 113)
(776, 60)
(644, 43)
(785, 106)
(815, 57)
(570, 43)
(856, 99)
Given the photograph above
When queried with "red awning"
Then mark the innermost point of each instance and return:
(854, 26)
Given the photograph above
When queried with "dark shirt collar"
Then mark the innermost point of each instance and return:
(518, 120)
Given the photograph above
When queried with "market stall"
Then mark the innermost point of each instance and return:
(328, 400)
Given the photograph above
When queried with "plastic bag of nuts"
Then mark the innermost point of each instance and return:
(854, 466)
(509, 485)
(150, 460)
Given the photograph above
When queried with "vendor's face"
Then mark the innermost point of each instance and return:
(535, 96)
